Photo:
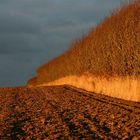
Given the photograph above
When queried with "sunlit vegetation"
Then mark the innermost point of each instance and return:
(112, 48)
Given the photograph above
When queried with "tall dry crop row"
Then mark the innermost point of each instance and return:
(112, 48)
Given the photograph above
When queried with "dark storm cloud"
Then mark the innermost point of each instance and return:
(17, 24)
(34, 31)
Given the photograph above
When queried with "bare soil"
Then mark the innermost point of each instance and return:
(66, 113)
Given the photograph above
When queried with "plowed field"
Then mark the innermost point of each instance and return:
(65, 113)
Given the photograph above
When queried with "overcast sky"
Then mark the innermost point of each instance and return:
(34, 31)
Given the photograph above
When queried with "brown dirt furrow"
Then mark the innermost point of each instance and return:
(128, 105)
(6, 103)
(66, 113)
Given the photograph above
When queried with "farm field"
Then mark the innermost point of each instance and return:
(65, 112)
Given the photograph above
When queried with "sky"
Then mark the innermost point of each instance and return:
(32, 32)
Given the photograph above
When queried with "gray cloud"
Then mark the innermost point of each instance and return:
(17, 24)
(34, 31)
